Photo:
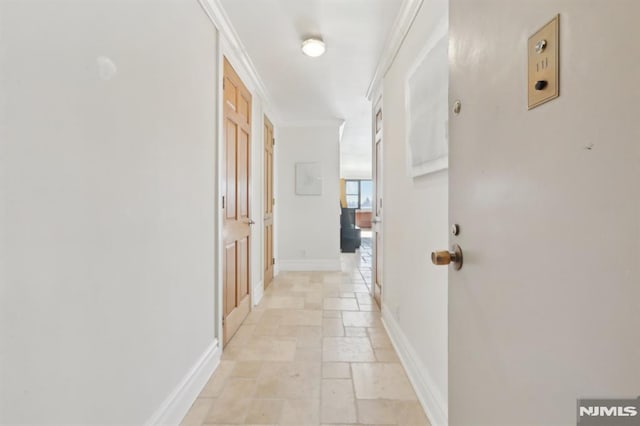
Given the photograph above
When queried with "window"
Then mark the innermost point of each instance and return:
(359, 194)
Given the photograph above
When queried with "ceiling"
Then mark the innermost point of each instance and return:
(333, 86)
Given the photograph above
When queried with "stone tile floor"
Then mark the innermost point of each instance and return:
(313, 352)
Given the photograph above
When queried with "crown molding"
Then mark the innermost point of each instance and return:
(401, 25)
(218, 16)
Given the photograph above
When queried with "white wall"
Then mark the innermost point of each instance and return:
(415, 223)
(107, 201)
(308, 226)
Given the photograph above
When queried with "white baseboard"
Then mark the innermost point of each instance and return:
(257, 293)
(310, 265)
(177, 404)
(428, 393)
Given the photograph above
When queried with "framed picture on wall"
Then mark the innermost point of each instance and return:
(309, 178)
(426, 102)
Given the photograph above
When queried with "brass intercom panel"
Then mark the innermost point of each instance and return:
(543, 55)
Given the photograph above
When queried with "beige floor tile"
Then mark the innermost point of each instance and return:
(313, 345)
(239, 387)
(332, 327)
(410, 413)
(264, 411)
(247, 369)
(306, 288)
(332, 290)
(337, 404)
(309, 354)
(379, 338)
(268, 348)
(331, 277)
(292, 380)
(301, 317)
(332, 314)
(361, 319)
(310, 341)
(301, 412)
(198, 412)
(287, 331)
(230, 354)
(216, 383)
(232, 410)
(355, 331)
(336, 370)
(368, 308)
(386, 355)
(356, 288)
(305, 337)
(265, 329)
(365, 299)
(313, 306)
(340, 304)
(253, 317)
(381, 381)
(282, 302)
(347, 349)
(377, 411)
(243, 335)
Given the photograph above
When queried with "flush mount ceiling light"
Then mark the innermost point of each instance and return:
(313, 46)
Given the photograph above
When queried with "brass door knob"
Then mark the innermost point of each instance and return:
(446, 257)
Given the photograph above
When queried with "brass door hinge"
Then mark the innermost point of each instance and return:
(273, 261)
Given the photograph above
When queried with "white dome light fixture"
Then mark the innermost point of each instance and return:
(313, 46)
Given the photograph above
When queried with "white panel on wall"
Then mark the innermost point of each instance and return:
(427, 107)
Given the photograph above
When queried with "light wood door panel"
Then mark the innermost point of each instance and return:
(236, 208)
(231, 165)
(268, 201)
(230, 295)
(243, 175)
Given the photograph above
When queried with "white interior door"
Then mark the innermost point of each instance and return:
(546, 308)
(376, 221)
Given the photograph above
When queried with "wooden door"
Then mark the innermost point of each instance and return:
(545, 309)
(269, 143)
(235, 205)
(376, 221)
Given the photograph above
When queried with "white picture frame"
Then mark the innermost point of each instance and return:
(426, 103)
(308, 178)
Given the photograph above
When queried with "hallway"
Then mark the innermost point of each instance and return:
(314, 351)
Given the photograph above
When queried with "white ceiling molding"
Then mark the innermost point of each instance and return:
(219, 18)
(408, 11)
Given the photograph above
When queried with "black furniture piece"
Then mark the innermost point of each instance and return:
(349, 232)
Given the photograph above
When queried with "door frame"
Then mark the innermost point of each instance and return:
(236, 315)
(378, 226)
(260, 107)
(225, 50)
(265, 284)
